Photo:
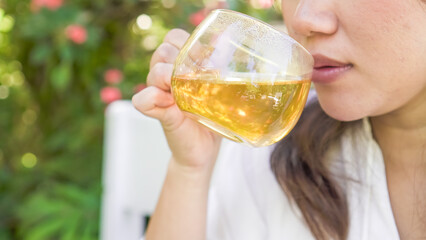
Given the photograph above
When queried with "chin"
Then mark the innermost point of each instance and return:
(341, 110)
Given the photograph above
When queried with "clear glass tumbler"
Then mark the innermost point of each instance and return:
(242, 78)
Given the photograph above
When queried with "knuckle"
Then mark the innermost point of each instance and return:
(142, 100)
(176, 36)
(165, 51)
(134, 101)
(137, 102)
(157, 73)
(175, 32)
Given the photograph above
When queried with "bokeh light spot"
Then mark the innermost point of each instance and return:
(15, 65)
(144, 22)
(29, 117)
(168, 3)
(29, 160)
(16, 79)
(150, 42)
(6, 24)
(5, 80)
(4, 92)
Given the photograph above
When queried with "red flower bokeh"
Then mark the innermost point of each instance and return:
(113, 76)
(197, 17)
(265, 3)
(139, 87)
(110, 94)
(36, 5)
(76, 33)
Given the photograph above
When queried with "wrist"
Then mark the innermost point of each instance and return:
(197, 173)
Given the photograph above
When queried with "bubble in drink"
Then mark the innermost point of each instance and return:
(257, 112)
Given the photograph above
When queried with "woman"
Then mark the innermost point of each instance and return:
(355, 165)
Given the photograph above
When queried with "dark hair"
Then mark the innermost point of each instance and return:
(299, 164)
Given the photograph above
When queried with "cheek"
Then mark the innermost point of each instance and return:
(348, 100)
(384, 30)
(387, 43)
(288, 8)
(358, 95)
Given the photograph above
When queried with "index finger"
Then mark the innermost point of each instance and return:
(177, 37)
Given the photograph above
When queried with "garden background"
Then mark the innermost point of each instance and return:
(61, 63)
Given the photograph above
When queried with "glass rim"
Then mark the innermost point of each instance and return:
(285, 35)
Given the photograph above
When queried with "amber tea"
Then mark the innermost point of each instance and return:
(242, 78)
(258, 112)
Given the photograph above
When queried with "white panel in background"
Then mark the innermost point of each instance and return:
(135, 162)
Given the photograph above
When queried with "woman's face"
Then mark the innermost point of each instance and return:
(370, 56)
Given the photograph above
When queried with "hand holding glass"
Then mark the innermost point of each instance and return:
(242, 78)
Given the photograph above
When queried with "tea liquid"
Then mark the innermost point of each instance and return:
(258, 113)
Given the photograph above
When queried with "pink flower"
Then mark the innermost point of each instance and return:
(211, 5)
(222, 4)
(113, 76)
(139, 87)
(197, 17)
(76, 33)
(36, 5)
(110, 94)
(263, 3)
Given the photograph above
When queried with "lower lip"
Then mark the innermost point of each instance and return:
(329, 74)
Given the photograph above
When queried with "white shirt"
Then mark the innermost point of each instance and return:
(247, 203)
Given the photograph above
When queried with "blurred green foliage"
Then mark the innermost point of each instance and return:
(51, 113)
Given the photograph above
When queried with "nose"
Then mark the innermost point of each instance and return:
(313, 17)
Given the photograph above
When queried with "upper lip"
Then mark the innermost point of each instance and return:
(321, 61)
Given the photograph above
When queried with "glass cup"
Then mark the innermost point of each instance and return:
(242, 78)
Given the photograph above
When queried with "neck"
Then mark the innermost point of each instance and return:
(401, 134)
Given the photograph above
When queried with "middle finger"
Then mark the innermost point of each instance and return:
(165, 53)
(160, 76)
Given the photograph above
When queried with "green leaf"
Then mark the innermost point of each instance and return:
(72, 230)
(60, 76)
(40, 54)
(66, 53)
(88, 233)
(4, 234)
(57, 141)
(46, 230)
(73, 194)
